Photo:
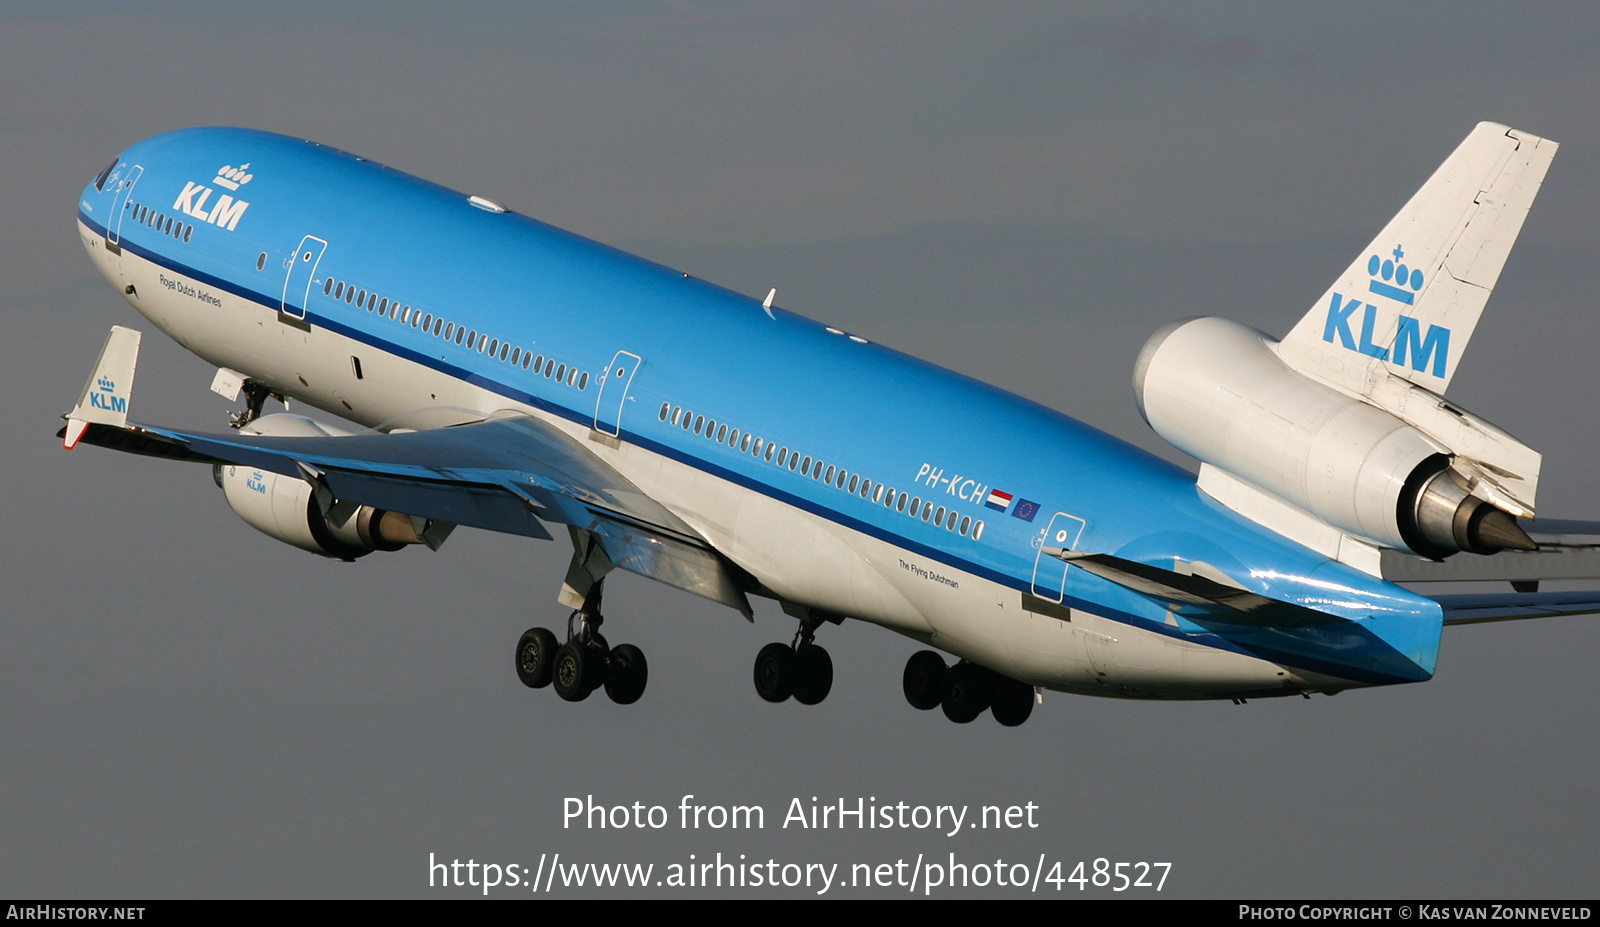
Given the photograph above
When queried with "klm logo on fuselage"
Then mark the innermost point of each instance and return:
(225, 212)
(102, 397)
(1392, 280)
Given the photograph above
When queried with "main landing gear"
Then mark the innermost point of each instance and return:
(585, 662)
(801, 669)
(965, 690)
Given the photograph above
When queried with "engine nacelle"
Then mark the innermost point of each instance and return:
(285, 507)
(1216, 390)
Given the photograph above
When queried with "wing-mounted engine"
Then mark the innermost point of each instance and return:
(1218, 391)
(286, 508)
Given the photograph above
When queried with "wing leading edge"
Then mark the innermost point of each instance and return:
(510, 473)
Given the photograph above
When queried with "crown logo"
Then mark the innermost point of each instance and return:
(233, 177)
(1393, 279)
(107, 386)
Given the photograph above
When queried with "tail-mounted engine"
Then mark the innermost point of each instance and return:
(285, 507)
(1217, 390)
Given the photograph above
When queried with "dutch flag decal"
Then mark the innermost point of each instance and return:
(998, 500)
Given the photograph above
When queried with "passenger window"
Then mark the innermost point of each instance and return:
(966, 522)
(699, 423)
(854, 480)
(583, 381)
(438, 325)
(494, 346)
(688, 420)
(527, 361)
(383, 306)
(549, 369)
(416, 318)
(977, 531)
(561, 372)
(722, 434)
(449, 328)
(805, 467)
(361, 300)
(745, 445)
(483, 342)
(461, 335)
(783, 457)
(927, 510)
(188, 230)
(327, 287)
(900, 500)
(733, 439)
(830, 473)
(262, 261)
(666, 407)
(840, 481)
(916, 506)
(711, 427)
(939, 520)
(793, 460)
(572, 376)
(677, 413)
(349, 295)
(538, 364)
(516, 356)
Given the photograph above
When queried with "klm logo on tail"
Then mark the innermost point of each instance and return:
(102, 398)
(1392, 280)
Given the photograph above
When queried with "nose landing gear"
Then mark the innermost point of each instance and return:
(965, 690)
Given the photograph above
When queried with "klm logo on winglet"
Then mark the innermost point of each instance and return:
(102, 398)
(227, 210)
(1393, 280)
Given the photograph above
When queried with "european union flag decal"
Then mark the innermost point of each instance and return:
(1025, 509)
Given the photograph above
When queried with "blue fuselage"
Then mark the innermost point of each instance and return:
(968, 482)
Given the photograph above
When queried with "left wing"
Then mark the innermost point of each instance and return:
(509, 473)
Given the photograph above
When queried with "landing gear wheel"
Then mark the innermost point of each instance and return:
(776, 672)
(627, 674)
(816, 675)
(924, 679)
(1013, 702)
(536, 655)
(576, 671)
(966, 692)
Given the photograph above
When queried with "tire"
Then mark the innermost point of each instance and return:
(574, 672)
(924, 680)
(776, 672)
(816, 675)
(627, 675)
(1013, 702)
(536, 656)
(966, 692)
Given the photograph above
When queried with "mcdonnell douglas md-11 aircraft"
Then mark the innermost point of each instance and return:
(515, 377)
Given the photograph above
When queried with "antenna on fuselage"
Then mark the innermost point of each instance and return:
(767, 303)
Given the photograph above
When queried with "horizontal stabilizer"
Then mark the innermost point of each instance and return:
(1515, 606)
(1178, 590)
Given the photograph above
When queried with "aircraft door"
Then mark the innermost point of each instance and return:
(119, 206)
(614, 392)
(1050, 573)
(301, 275)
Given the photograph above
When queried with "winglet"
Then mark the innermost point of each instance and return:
(105, 396)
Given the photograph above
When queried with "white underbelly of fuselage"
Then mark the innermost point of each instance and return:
(801, 556)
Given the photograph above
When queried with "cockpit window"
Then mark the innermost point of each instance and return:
(100, 179)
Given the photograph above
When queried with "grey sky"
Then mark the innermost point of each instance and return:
(1020, 192)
